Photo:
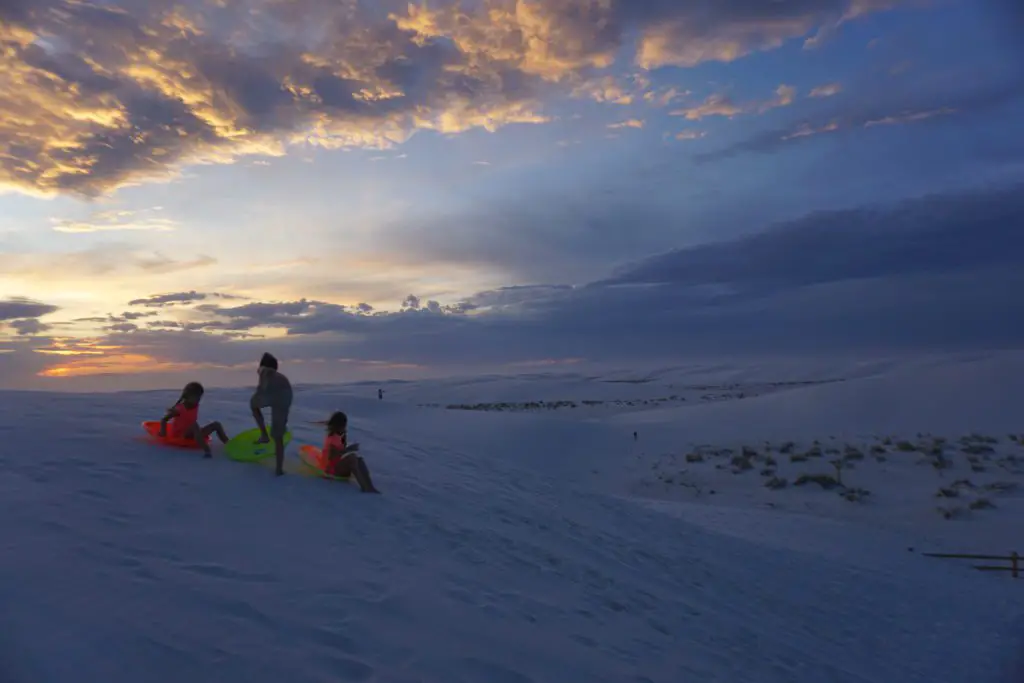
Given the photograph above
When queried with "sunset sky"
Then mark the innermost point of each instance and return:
(374, 189)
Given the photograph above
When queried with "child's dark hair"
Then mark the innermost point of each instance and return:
(337, 423)
(192, 389)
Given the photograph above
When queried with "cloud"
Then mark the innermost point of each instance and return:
(173, 299)
(827, 90)
(629, 123)
(13, 308)
(102, 96)
(723, 105)
(936, 273)
(690, 135)
(688, 34)
(903, 105)
(115, 221)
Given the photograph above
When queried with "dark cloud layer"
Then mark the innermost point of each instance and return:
(11, 309)
(938, 273)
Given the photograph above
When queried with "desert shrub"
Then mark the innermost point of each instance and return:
(787, 448)
(906, 447)
(776, 483)
(767, 472)
(853, 453)
(1002, 486)
(748, 452)
(694, 457)
(879, 449)
(770, 461)
(855, 495)
(977, 449)
(825, 481)
(799, 457)
(947, 493)
(981, 504)
(741, 463)
(954, 512)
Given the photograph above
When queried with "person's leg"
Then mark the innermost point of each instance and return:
(257, 414)
(362, 474)
(215, 428)
(278, 427)
(199, 436)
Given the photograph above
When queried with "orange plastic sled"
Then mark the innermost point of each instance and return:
(153, 429)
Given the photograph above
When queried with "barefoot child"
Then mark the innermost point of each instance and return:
(184, 419)
(275, 392)
(340, 459)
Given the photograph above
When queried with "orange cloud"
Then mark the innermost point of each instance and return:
(631, 123)
(722, 105)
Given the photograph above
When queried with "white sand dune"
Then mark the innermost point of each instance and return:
(507, 547)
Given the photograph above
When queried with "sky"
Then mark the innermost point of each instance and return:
(375, 189)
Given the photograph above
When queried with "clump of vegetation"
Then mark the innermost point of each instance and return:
(981, 504)
(856, 495)
(1002, 486)
(906, 447)
(878, 449)
(948, 493)
(694, 457)
(853, 453)
(814, 451)
(767, 472)
(977, 449)
(954, 512)
(741, 463)
(776, 483)
(964, 483)
(787, 448)
(770, 461)
(825, 481)
(799, 457)
(748, 452)
(941, 462)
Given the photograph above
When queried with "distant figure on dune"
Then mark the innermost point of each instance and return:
(274, 391)
(635, 436)
(380, 394)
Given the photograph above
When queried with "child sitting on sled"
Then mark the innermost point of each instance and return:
(183, 417)
(340, 459)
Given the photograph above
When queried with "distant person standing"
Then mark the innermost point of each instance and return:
(635, 436)
(274, 391)
(380, 394)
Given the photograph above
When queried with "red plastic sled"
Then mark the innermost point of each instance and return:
(153, 429)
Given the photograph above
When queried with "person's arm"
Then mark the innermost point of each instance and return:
(170, 415)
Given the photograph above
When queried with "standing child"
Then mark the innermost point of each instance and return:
(274, 391)
(184, 419)
(340, 459)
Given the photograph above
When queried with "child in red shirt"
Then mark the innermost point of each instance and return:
(184, 419)
(340, 459)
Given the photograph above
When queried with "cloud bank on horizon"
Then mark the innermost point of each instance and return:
(399, 186)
